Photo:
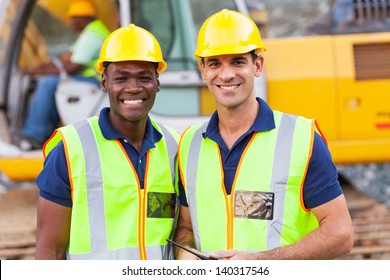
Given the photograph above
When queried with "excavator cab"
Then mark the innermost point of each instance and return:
(36, 42)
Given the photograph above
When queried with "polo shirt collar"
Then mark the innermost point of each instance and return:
(152, 135)
(263, 122)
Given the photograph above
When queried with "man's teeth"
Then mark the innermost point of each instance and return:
(229, 87)
(132, 102)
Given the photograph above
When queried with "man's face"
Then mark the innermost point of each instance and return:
(132, 88)
(230, 78)
(78, 23)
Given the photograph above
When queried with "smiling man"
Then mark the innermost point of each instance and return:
(107, 189)
(254, 183)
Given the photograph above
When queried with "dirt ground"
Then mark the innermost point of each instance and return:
(18, 222)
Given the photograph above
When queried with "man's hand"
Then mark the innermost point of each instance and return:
(233, 255)
(26, 70)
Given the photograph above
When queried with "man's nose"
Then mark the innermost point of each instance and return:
(133, 86)
(227, 73)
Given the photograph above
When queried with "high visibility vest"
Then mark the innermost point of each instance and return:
(112, 217)
(100, 30)
(265, 209)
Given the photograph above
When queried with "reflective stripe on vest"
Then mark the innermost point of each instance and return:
(272, 166)
(112, 218)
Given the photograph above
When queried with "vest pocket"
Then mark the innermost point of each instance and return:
(161, 205)
(254, 205)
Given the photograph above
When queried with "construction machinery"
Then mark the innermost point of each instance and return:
(340, 75)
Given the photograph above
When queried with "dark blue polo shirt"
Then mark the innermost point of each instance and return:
(321, 183)
(53, 181)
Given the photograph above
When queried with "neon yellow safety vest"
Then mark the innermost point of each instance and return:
(265, 208)
(100, 30)
(112, 217)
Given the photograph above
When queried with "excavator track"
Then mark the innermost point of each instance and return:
(371, 221)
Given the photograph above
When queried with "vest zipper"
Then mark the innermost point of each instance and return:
(142, 211)
(229, 208)
(229, 222)
(142, 248)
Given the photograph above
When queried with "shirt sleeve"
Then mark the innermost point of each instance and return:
(321, 183)
(182, 194)
(53, 181)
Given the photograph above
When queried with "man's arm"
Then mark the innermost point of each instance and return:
(50, 68)
(53, 230)
(184, 235)
(333, 237)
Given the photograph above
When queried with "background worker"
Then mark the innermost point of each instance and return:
(255, 183)
(107, 189)
(79, 62)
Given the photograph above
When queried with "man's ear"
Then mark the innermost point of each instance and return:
(259, 63)
(104, 82)
(158, 83)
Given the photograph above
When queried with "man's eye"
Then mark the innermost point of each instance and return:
(145, 79)
(213, 64)
(237, 62)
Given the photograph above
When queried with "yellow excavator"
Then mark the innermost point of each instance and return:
(340, 75)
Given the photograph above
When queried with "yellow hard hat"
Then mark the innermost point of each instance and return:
(81, 8)
(228, 32)
(131, 43)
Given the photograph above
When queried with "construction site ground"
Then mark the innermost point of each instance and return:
(371, 220)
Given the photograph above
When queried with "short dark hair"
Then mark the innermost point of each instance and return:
(252, 52)
(106, 63)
